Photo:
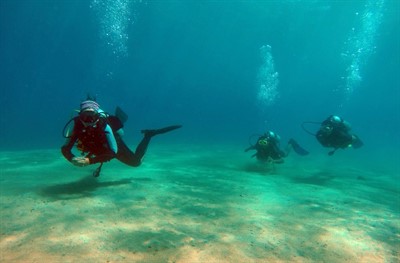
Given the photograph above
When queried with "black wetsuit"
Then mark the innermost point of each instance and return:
(267, 148)
(334, 134)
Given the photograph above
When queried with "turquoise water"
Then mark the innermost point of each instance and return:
(225, 70)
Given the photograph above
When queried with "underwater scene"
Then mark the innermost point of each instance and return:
(200, 131)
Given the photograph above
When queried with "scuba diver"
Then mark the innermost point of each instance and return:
(334, 132)
(98, 136)
(268, 149)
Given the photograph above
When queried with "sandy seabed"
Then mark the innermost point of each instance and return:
(193, 203)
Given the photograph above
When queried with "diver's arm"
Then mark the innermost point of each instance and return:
(66, 151)
(101, 158)
(251, 147)
(83, 161)
(67, 147)
(111, 139)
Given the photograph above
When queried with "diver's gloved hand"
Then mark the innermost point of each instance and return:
(80, 161)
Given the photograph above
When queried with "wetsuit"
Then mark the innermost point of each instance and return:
(267, 148)
(101, 142)
(334, 133)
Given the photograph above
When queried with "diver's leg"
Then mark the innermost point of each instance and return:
(297, 148)
(125, 155)
(128, 157)
(142, 147)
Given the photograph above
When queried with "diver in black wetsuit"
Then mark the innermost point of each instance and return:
(268, 149)
(334, 132)
(98, 136)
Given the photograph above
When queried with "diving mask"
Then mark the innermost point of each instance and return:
(89, 117)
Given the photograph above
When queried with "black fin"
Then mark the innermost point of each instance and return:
(160, 131)
(121, 115)
(332, 152)
(357, 143)
(297, 148)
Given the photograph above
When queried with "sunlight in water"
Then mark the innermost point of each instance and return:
(360, 44)
(267, 79)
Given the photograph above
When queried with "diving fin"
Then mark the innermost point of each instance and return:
(332, 152)
(297, 148)
(357, 143)
(121, 115)
(160, 131)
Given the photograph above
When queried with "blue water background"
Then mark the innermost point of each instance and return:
(195, 63)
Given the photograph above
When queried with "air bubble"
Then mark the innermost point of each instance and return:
(267, 78)
(361, 43)
(114, 18)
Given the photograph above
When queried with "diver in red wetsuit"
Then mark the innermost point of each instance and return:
(98, 136)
